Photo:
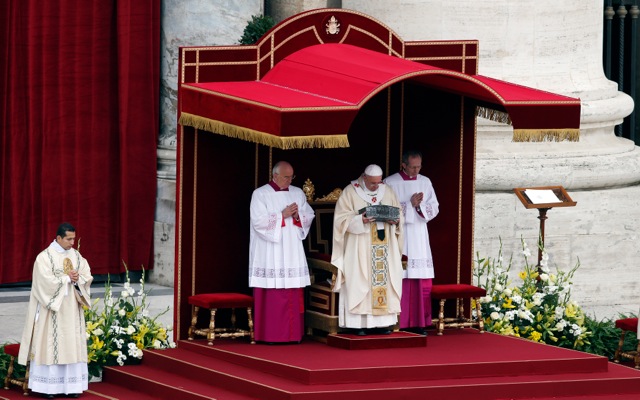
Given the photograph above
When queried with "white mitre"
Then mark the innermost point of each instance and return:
(373, 170)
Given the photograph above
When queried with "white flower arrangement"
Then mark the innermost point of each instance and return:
(538, 308)
(119, 330)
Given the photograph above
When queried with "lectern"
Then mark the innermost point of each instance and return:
(544, 198)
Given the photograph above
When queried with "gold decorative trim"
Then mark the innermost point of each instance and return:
(331, 197)
(493, 115)
(377, 39)
(269, 106)
(195, 212)
(460, 192)
(546, 135)
(401, 119)
(180, 211)
(256, 170)
(276, 48)
(267, 139)
(387, 155)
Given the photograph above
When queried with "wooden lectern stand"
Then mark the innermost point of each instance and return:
(544, 198)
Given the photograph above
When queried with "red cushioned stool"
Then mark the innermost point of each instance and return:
(459, 292)
(214, 301)
(627, 325)
(13, 350)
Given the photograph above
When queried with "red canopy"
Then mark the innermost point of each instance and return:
(310, 98)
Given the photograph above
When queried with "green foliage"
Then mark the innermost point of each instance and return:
(18, 370)
(605, 337)
(256, 28)
(538, 307)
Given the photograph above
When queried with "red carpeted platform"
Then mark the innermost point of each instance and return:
(395, 340)
(458, 365)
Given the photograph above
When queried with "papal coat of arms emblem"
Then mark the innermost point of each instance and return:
(333, 26)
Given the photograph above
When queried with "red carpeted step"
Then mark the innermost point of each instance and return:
(161, 384)
(457, 355)
(454, 366)
(105, 390)
(620, 380)
(395, 340)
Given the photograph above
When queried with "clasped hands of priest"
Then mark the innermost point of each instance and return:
(291, 211)
(73, 275)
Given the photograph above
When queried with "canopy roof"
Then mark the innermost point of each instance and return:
(310, 98)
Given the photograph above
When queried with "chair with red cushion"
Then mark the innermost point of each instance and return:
(213, 302)
(627, 325)
(13, 350)
(460, 292)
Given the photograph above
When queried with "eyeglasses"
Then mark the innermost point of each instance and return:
(287, 178)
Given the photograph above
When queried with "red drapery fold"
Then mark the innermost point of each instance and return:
(79, 106)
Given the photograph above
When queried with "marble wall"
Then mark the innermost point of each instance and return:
(550, 45)
(185, 23)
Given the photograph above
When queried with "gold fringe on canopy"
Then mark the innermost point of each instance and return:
(546, 135)
(493, 115)
(529, 135)
(267, 139)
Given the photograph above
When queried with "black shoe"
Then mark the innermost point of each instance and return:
(73, 395)
(420, 331)
(360, 332)
(47, 396)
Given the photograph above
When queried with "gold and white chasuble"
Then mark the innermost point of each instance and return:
(369, 277)
(54, 338)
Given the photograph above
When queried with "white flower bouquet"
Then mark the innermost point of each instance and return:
(538, 307)
(119, 329)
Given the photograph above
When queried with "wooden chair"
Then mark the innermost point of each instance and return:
(213, 302)
(627, 325)
(460, 292)
(13, 350)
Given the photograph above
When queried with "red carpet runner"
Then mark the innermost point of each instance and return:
(462, 364)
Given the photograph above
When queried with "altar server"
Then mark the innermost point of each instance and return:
(278, 272)
(419, 206)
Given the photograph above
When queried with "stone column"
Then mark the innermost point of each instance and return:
(185, 23)
(554, 46)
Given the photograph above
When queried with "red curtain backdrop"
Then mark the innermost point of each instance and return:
(79, 111)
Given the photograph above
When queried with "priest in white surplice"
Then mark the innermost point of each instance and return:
(54, 337)
(278, 271)
(367, 254)
(419, 206)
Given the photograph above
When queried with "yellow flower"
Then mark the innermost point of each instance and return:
(523, 275)
(97, 343)
(571, 310)
(507, 304)
(535, 336)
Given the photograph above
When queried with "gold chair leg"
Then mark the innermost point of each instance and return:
(212, 327)
(194, 321)
(479, 314)
(9, 373)
(233, 319)
(25, 384)
(616, 357)
(461, 317)
(250, 321)
(441, 318)
(637, 357)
